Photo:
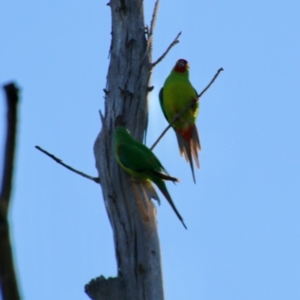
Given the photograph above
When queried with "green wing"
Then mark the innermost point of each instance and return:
(161, 102)
(137, 158)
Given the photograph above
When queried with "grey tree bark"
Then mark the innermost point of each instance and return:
(128, 203)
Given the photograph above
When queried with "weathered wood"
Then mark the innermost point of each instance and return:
(131, 212)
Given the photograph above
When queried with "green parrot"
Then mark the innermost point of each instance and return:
(175, 95)
(139, 161)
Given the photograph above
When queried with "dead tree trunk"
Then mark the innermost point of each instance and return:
(131, 213)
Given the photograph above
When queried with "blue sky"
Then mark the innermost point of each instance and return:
(243, 237)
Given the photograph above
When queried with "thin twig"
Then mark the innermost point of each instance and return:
(9, 286)
(59, 161)
(177, 117)
(175, 41)
(211, 82)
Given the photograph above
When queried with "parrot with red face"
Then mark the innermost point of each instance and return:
(174, 97)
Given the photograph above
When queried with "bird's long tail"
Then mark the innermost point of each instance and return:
(164, 176)
(189, 145)
(161, 185)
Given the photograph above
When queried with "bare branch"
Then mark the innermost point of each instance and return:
(150, 30)
(59, 161)
(101, 117)
(193, 102)
(175, 41)
(211, 82)
(12, 99)
(154, 16)
(105, 289)
(9, 286)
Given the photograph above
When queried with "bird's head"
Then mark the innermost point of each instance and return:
(122, 132)
(181, 66)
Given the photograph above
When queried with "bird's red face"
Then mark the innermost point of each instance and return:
(181, 66)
